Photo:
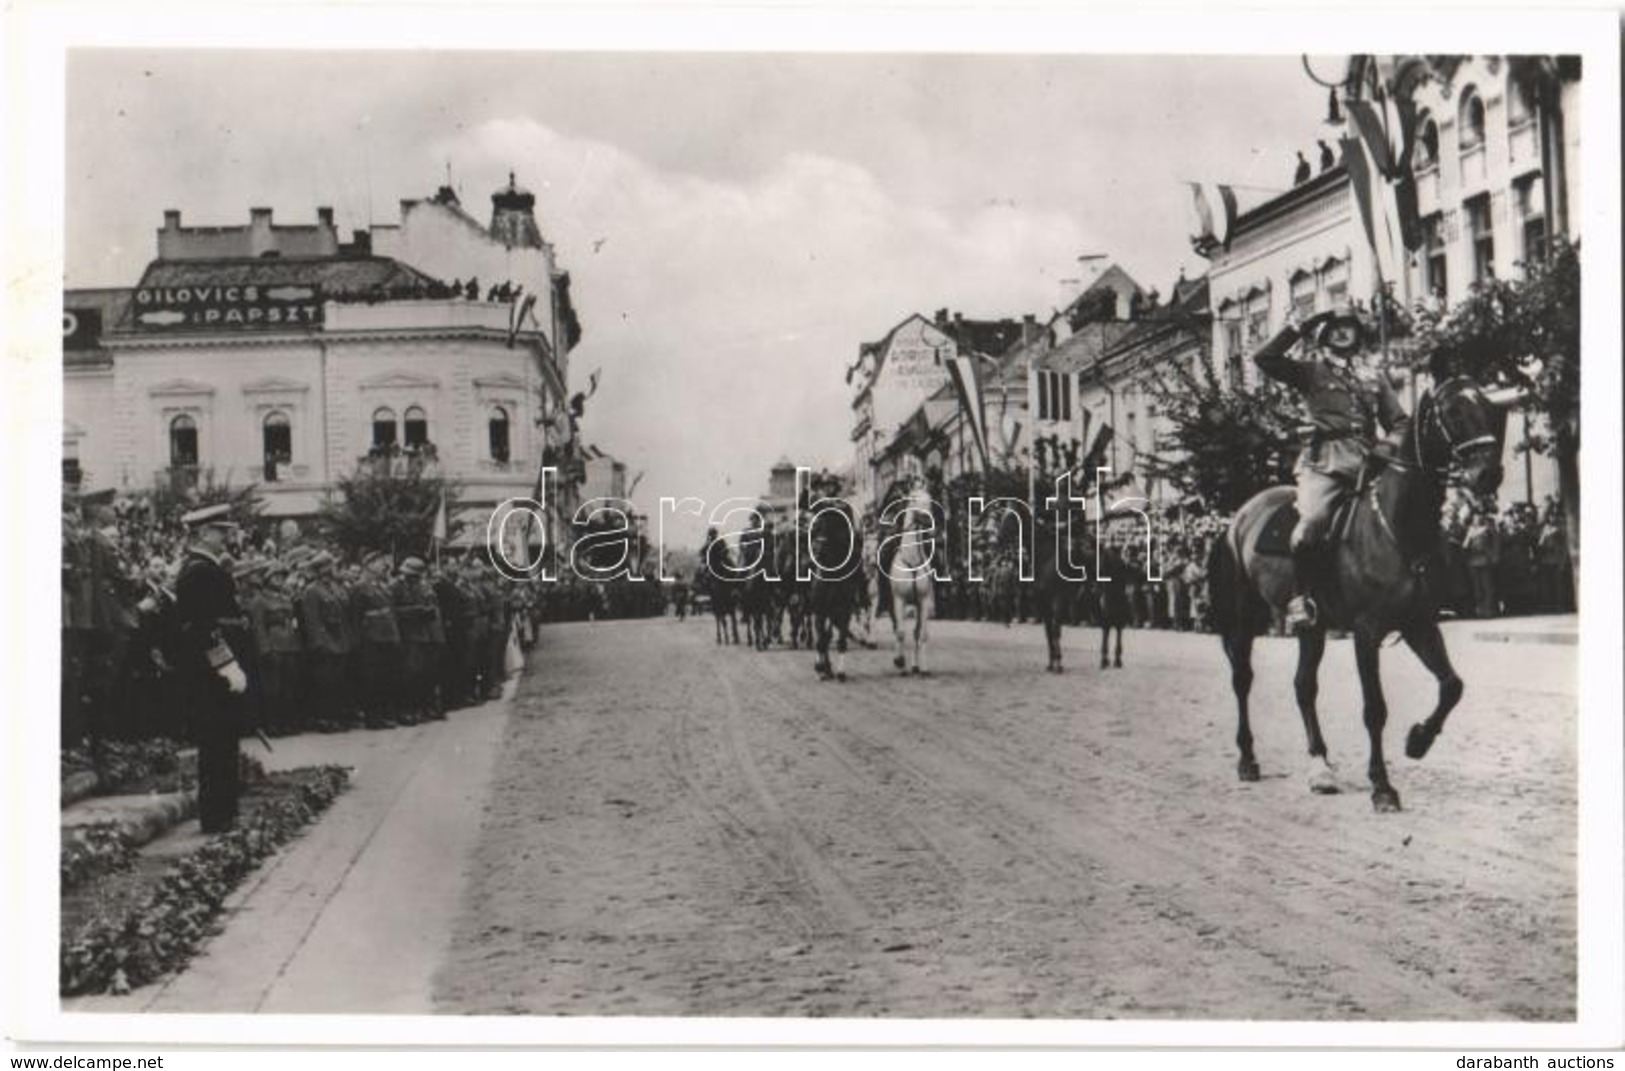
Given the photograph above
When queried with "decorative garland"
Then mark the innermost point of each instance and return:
(161, 934)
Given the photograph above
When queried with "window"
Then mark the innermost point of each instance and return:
(1234, 353)
(1303, 294)
(1043, 395)
(1472, 121)
(1482, 238)
(383, 428)
(276, 435)
(1335, 277)
(1530, 193)
(1258, 321)
(1427, 145)
(497, 427)
(72, 474)
(1066, 396)
(417, 427)
(182, 442)
(1435, 280)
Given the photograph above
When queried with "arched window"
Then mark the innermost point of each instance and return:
(497, 426)
(417, 426)
(276, 437)
(1427, 144)
(383, 428)
(182, 441)
(1471, 121)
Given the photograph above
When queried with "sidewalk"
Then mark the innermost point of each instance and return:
(355, 915)
(1561, 629)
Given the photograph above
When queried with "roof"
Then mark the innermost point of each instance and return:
(1303, 193)
(1084, 349)
(108, 305)
(335, 276)
(992, 337)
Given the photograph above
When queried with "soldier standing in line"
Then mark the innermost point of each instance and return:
(372, 612)
(416, 614)
(212, 645)
(276, 634)
(494, 603)
(324, 621)
(473, 653)
(453, 668)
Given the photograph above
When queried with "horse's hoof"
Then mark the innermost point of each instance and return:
(1417, 742)
(1118, 663)
(916, 671)
(841, 677)
(1323, 784)
(1247, 770)
(1385, 801)
(898, 662)
(1105, 664)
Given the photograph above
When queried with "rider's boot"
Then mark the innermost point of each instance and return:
(1302, 613)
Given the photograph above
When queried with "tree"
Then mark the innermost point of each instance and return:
(373, 509)
(1227, 444)
(1523, 333)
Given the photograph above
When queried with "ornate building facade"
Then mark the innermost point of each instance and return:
(284, 357)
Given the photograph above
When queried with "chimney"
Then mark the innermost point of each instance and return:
(941, 318)
(172, 219)
(1029, 327)
(324, 216)
(513, 217)
(363, 243)
(259, 215)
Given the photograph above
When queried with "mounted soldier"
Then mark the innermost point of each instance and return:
(1346, 398)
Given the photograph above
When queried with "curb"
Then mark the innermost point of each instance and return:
(141, 819)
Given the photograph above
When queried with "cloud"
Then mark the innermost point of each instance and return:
(724, 313)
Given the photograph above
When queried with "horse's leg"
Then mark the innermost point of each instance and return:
(1105, 643)
(1428, 643)
(1367, 656)
(1119, 661)
(841, 637)
(901, 661)
(922, 632)
(1306, 686)
(1238, 646)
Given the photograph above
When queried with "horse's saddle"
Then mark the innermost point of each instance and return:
(1276, 538)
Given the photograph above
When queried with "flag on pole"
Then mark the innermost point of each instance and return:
(439, 532)
(1379, 209)
(962, 370)
(516, 316)
(1216, 213)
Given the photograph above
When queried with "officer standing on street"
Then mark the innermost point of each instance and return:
(213, 646)
(323, 622)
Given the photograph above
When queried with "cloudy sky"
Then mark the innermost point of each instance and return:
(735, 224)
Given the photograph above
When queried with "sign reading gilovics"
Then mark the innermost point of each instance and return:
(218, 307)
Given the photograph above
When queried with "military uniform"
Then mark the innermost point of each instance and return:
(418, 618)
(1343, 408)
(323, 616)
(452, 599)
(494, 605)
(213, 636)
(276, 637)
(372, 613)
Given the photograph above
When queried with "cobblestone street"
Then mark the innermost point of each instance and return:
(676, 828)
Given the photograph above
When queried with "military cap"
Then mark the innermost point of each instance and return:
(319, 560)
(373, 555)
(412, 567)
(1342, 335)
(249, 567)
(209, 517)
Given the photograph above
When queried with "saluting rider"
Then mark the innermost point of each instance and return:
(1345, 398)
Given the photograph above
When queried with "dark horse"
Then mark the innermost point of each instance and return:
(1054, 590)
(757, 597)
(714, 577)
(834, 591)
(792, 593)
(1376, 576)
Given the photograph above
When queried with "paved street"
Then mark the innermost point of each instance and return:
(679, 829)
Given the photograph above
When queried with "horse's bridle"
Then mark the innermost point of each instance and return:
(1429, 415)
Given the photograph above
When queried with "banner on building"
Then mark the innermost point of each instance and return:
(1216, 213)
(219, 307)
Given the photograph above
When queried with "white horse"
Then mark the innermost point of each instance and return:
(909, 575)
